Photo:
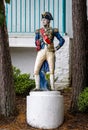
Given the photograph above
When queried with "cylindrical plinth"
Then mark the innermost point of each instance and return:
(45, 109)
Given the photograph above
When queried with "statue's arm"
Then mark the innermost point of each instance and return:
(60, 38)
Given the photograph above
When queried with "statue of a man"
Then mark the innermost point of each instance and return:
(45, 60)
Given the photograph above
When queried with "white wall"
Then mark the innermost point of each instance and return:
(23, 58)
(62, 70)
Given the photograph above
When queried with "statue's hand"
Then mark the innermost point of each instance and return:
(38, 43)
(57, 47)
(38, 48)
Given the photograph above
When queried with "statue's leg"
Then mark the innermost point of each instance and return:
(38, 63)
(52, 81)
(51, 62)
(37, 82)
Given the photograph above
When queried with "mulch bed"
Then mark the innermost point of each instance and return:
(71, 122)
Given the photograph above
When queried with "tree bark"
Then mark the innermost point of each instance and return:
(7, 94)
(78, 51)
(87, 53)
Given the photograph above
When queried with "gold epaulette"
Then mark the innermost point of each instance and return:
(56, 30)
(37, 31)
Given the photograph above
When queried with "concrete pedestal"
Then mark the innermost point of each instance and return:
(45, 109)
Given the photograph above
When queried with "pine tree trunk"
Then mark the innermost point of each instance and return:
(7, 94)
(87, 52)
(78, 50)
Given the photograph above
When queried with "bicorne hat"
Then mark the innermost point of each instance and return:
(47, 15)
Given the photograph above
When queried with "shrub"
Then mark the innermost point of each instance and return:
(22, 82)
(83, 101)
(47, 76)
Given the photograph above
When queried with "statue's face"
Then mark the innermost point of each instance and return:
(45, 21)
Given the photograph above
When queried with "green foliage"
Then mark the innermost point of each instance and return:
(1, 18)
(47, 76)
(16, 72)
(7, 1)
(83, 101)
(22, 82)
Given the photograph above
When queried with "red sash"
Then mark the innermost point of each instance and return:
(45, 37)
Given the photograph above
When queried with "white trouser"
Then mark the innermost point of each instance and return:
(52, 81)
(42, 55)
(37, 81)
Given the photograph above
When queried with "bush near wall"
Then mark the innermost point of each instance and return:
(83, 101)
(22, 82)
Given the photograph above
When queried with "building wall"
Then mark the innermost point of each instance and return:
(24, 16)
(22, 23)
(69, 17)
(63, 71)
(23, 58)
